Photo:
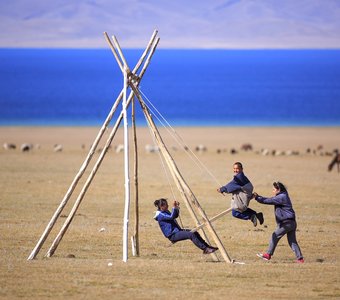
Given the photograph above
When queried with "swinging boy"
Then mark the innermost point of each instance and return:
(241, 189)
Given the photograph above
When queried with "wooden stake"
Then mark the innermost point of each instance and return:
(114, 51)
(126, 72)
(126, 68)
(136, 229)
(126, 171)
(133, 245)
(147, 49)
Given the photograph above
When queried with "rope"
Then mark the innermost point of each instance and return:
(166, 174)
(179, 140)
(173, 133)
(163, 166)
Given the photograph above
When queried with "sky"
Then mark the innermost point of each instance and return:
(222, 24)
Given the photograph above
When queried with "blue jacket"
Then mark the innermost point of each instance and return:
(236, 184)
(282, 206)
(242, 191)
(167, 222)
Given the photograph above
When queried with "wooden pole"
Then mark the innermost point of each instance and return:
(125, 71)
(152, 44)
(115, 41)
(114, 52)
(136, 229)
(147, 49)
(212, 219)
(148, 59)
(126, 172)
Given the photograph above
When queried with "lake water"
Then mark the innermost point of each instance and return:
(189, 87)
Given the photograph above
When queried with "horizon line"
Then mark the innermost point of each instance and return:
(166, 48)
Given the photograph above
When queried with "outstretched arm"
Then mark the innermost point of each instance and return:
(230, 187)
(276, 200)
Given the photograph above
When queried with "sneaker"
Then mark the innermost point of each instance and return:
(254, 220)
(209, 250)
(300, 261)
(264, 256)
(259, 216)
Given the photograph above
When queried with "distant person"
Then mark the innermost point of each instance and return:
(241, 189)
(285, 219)
(171, 230)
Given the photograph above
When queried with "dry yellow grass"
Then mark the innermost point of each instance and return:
(32, 185)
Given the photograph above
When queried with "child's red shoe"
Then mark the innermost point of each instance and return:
(264, 256)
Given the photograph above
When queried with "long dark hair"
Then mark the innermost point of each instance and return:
(280, 186)
(160, 202)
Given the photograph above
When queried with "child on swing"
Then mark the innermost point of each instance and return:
(171, 230)
(241, 189)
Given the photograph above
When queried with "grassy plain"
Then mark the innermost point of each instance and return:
(32, 184)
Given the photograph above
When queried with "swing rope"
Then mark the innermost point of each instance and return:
(166, 173)
(173, 133)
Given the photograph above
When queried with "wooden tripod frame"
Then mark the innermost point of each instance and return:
(132, 80)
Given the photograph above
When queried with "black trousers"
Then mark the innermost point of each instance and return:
(188, 235)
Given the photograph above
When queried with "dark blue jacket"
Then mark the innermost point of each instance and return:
(167, 222)
(236, 184)
(282, 206)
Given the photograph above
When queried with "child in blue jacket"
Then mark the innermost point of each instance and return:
(242, 192)
(285, 219)
(171, 230)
